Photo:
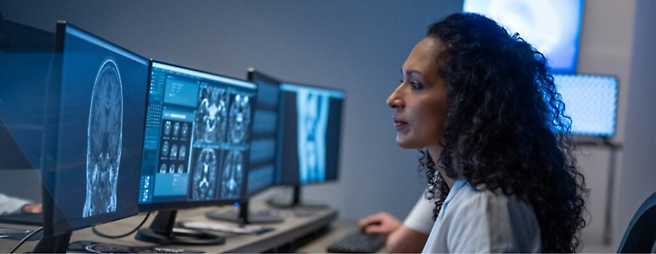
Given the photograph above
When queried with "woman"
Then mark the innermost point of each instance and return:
(491, 126)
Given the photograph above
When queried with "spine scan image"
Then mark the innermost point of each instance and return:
(232, 175)
(312, 122)
(240, 119)
(211, 119)
(204, 179)
(104, 140)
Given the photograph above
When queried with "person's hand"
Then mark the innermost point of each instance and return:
(32, 208)
(382, 222)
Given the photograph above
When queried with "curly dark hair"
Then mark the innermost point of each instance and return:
(505, 127)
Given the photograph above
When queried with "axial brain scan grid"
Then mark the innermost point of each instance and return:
(197, 136)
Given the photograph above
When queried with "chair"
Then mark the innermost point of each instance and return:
(640, 236)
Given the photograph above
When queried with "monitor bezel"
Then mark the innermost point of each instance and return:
(341, 134)
(171, 206)
(51, 143)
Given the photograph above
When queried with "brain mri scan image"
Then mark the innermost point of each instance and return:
(162, 169)
(182, 153)
(204, 177)
(312, 124)
(176, 129)
(104, 140)
(211, 119)
(174, 152)
(172, 169)
(240, 118)
(167, 128)
(165, 148)
(180, 169)
(185, 130)
(232, 175)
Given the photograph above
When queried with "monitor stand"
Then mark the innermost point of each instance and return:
(162, 231)
(245, 216)
(296, 201)
(53, 244)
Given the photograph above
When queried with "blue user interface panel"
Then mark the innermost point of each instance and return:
(197, 137)
(590, 101)
(310, 132)
(552, 27)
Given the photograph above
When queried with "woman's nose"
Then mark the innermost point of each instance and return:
(394, 100)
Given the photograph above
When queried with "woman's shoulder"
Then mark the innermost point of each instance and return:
(471, 199)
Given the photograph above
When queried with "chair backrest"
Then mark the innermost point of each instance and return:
(640, 236)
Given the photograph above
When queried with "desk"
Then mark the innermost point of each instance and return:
(286, 236)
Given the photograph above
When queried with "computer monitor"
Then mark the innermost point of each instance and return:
(96, 104)
(196, 146)
(25, 56)
(553, 27)
(263, 163)
(310, 134)
(591, 103)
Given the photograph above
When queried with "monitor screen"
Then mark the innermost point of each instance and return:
(99, 130)
(25, 57)
(552, 27)
(197, 138)
(590, 101)
(265, 130)
(310, 130)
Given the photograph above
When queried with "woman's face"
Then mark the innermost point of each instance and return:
(420, 101)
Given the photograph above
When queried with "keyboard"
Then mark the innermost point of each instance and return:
(358, 242)
(96, 247)
(35, 219)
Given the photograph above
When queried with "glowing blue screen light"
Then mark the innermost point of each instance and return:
(591, 102)
(551, 26)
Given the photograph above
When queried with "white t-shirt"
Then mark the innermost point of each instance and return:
(473, 221)
(10, 205)
(420, 218)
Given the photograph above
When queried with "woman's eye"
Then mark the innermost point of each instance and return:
(415, 84)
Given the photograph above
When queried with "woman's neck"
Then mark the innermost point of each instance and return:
(435, 152)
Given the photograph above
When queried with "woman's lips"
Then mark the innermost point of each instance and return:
(398, 124)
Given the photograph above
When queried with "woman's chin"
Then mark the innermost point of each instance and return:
(407, 144)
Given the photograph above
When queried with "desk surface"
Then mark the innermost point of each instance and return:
(297, 224)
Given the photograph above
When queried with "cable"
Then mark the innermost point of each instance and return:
(28, 236)
(95, 231)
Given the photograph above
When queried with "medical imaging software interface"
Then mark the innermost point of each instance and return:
(102, 114)
(197, 139)
(263, 144)
(310, 134)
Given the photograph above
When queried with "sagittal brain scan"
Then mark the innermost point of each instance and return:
(232, 175)
(212, 116)
(105, 135)
(165, 148)
(312, 122)
(182, 154)
(240, 119)
(204, 179)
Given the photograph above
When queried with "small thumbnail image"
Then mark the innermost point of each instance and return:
(182, 153)
(205, 164)
(211, 115)
(184, 133)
